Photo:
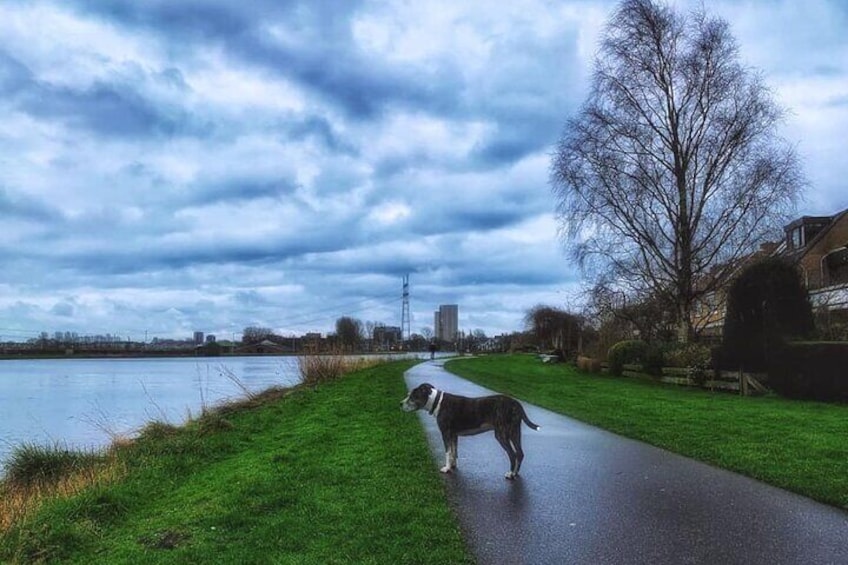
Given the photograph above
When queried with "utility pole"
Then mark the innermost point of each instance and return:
(405, 333)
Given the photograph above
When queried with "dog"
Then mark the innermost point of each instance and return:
(463, 416)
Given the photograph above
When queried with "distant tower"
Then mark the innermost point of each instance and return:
(446, 322)
(405, 334)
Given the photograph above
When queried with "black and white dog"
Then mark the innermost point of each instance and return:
(463, 416)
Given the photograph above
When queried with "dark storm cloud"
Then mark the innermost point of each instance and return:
(320, 54)
(14, 75)
(323, 56)
(238, 190)
(467, 220)
(145, 254)
(506, 150)
(364, 89)
(318, 128)
(189, 19)
(105, 109)
(22, 206)
(109, 109)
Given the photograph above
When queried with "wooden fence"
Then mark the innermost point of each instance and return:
(746, 384)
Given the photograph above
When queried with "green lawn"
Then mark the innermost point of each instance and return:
(333, 475)
(799, 446)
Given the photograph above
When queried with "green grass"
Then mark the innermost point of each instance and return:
(799, 446)
(335, 474)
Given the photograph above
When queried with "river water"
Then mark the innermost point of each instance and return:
(85, 403)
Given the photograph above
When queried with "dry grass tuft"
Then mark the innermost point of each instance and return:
(318, 369)
(19, 496)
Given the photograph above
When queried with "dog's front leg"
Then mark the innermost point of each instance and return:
(449, 445)
(454, 451)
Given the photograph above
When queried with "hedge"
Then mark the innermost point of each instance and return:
(635, 351)
(810, 371)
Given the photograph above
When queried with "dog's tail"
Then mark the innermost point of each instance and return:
(527, 420)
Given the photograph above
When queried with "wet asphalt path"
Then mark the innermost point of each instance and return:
(588, 496)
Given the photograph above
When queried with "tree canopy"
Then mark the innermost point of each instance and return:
(673, 170)
(349, 332)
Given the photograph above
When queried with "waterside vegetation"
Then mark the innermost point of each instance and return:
(327, 472)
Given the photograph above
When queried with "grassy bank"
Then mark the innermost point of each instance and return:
(328, 474)
(799, 446)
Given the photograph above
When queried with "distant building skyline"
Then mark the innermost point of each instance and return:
(446, 322)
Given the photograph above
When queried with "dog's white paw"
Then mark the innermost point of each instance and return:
(445, 469)
(510, 475)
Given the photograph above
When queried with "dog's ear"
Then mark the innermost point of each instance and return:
(421, 392)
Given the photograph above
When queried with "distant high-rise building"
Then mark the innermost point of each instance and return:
(198, 338)
(446, 322)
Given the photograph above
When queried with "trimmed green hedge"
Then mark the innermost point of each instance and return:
(766, 303)
(810, 371)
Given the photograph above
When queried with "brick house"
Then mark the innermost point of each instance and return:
(818, 245)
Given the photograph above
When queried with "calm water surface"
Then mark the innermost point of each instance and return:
(83, 403)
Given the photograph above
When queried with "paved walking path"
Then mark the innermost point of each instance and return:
(588, 496)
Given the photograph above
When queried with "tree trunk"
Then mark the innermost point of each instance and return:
(684, 323)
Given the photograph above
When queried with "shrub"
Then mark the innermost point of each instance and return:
(635, 351)
(810, 371)
(766, 304)
(688, 355)
(319, 369)
(588, 364)
(32, 464)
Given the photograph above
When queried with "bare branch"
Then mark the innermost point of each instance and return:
(673, 167)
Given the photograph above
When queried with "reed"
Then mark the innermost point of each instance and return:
(38, 473)
(319, 369)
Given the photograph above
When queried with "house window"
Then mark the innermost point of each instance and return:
(798, 237)
(837, 266)
(839, 275)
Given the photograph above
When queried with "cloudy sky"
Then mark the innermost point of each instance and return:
(170, 166)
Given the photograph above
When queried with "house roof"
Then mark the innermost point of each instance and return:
(832, 221)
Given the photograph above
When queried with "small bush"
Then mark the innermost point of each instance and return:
(157, 431)
(213, 421)
(810, 371)
(689, 355)
(588, 364)
(31, 464)
(319, 369)
(635, 352)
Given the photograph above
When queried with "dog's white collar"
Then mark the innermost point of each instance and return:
(434, 402)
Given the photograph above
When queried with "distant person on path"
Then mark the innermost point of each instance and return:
(432, 350)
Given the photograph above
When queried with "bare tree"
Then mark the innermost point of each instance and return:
(369, 333)
(554, 328)
(673, 170)
(256, 334)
